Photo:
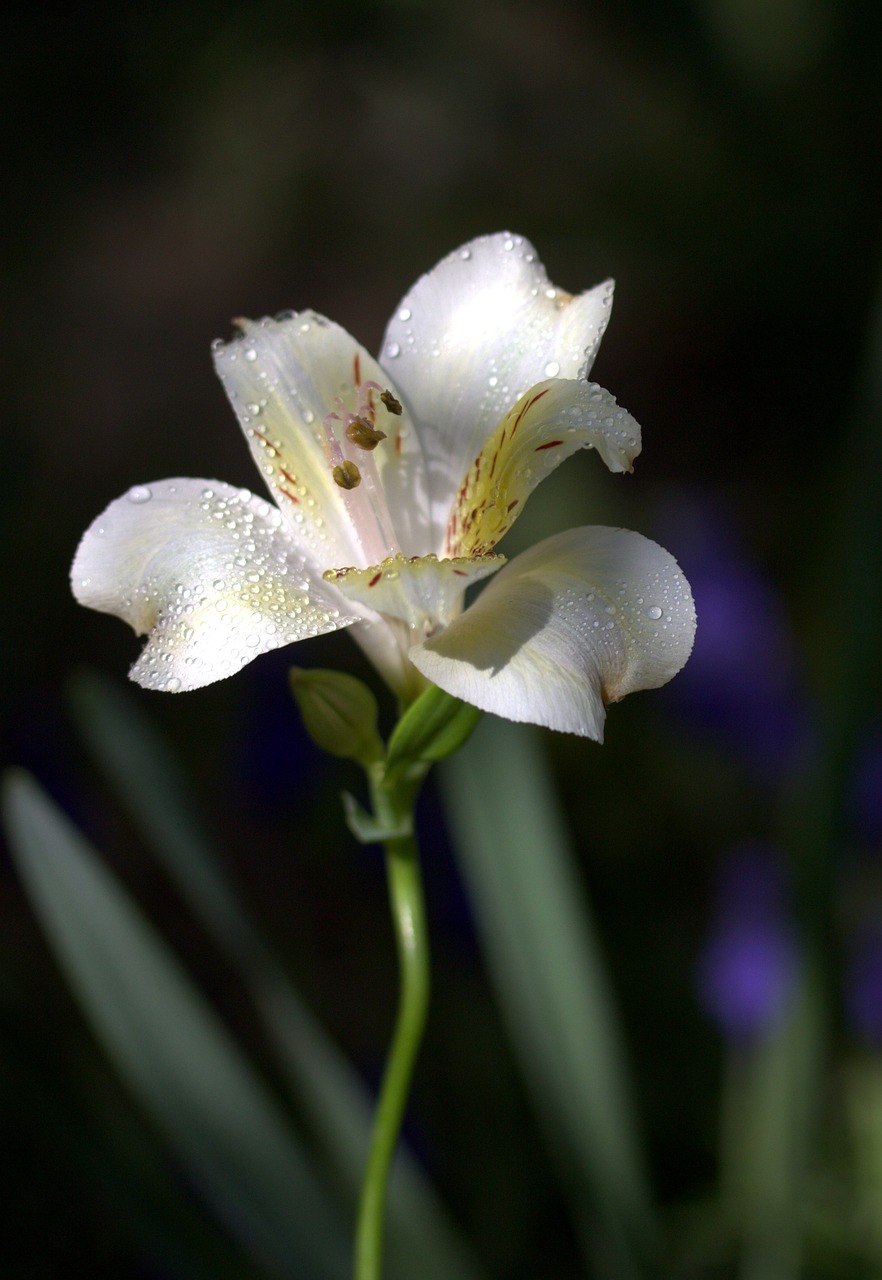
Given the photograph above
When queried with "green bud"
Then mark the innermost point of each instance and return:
(432, 727)
(340, 714)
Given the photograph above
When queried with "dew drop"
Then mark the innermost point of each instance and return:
(654, 612)
(465, 254)
(172, 685)
(140, 493)
(251, 354)
(393, 350)
(552, 369)
(404, 313)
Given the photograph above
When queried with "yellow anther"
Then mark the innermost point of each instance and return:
(347, 475)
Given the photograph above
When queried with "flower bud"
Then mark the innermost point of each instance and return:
(339, 713)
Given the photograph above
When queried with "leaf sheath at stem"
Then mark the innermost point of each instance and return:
(411, 939)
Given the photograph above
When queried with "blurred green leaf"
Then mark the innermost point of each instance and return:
(768, 1122)
(76, 1118)
(862, 1080)
(334, 1102)
(226, 1130)
(546, 963)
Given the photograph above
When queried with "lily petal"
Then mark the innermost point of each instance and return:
(421, 591)
(282, 378)
(578, 621)
(209, 572)
(472, 336)
(552, 421)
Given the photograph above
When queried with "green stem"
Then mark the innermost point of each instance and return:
(406, 900)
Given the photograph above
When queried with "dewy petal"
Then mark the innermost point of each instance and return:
(208, 572)
(421, 591)
(575, 623)
(471, 337)
(283, 377)
(552, 421)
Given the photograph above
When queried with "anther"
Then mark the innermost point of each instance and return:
(347, 475)
(393, 405)
(361, 433)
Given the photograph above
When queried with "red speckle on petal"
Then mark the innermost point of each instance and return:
(549, 444)
(377, 576)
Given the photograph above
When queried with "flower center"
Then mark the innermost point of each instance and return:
(349, 441)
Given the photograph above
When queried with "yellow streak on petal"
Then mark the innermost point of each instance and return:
(550, 422)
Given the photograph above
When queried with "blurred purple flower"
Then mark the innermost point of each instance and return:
(741, 684)
(749, 961)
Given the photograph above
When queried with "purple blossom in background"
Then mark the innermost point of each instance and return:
(748, 964)
(741, 685)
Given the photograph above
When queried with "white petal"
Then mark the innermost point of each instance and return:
(421, 591)
(472, 336)
(552, 421)
(209, 572)
(283, 377)
(573, 624)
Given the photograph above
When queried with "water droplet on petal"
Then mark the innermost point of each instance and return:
(552, 369)
(654, 612)
(404, 313)
(393, 350)
(250, 354)
(140, 493)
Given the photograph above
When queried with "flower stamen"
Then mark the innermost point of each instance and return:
(368, 510)
(347, 475)
(362, 434)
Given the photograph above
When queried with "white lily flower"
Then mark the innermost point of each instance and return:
(393, 482)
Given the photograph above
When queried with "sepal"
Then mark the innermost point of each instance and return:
(432, 728)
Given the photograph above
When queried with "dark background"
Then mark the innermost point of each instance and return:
(172, 167)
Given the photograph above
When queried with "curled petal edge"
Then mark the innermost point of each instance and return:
(575, 623)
